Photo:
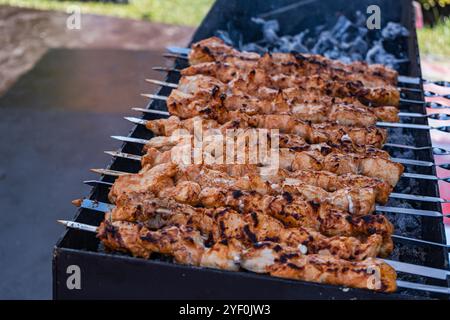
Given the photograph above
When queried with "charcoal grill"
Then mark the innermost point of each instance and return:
(106, 275)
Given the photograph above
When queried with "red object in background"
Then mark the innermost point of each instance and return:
(419, 15)
(441, 139)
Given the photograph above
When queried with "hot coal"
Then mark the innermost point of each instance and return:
(346, 40)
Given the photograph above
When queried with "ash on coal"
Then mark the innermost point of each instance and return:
(347, 40)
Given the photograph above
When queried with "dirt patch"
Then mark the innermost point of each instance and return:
(27, 34)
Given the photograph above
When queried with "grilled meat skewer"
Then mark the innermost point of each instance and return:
(129, 193)
(315, 86)
(323, 179)
(224, 224)
(312, 133)
(332, 182)
(214, 49)
(193, 180)
(291, 141)
(299, 72)
(298, 215)
(187, 247)
(335, 162)
(308, 105)
(279, 261)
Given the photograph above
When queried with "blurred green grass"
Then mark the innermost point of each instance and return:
(432, 41)
(435, 41)
(181, 12)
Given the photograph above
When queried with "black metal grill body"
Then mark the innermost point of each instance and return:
(112, 276)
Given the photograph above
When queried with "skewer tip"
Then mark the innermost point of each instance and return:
(78, 226)
(63, 222)
(136, 120)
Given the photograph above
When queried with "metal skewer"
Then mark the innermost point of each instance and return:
(94, 183)
(436, 150)
(415, 197)
(108, 172)
(422, 287)
(79, 226)
(178, 50)
(410, 101)
(162, 83)
(424, 177)
(409, 80)
(445, 128)
(435, 116)
(421, 242)
(175, 56)
(155, 97)
(398, 266)
(166, 69)
(418, 270)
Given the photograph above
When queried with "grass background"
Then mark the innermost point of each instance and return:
(432, 41)
(182, 12)
(436, 40)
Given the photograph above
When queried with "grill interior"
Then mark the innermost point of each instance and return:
(311, 13)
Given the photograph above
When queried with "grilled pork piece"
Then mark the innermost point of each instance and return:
(332, 182)
(288, 127)
(251, 95)
(290, 141)
(335, 162)
(222, 75)
(146, 208)
(158, 151)
(223, 224)
(192, 182)
(186, 246)
(308, 105)
(300, 70)
(129, 193)
(279, 261)
(322, 84)
(214, 49)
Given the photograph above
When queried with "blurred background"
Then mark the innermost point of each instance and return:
(433, 28)
(64, 91)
